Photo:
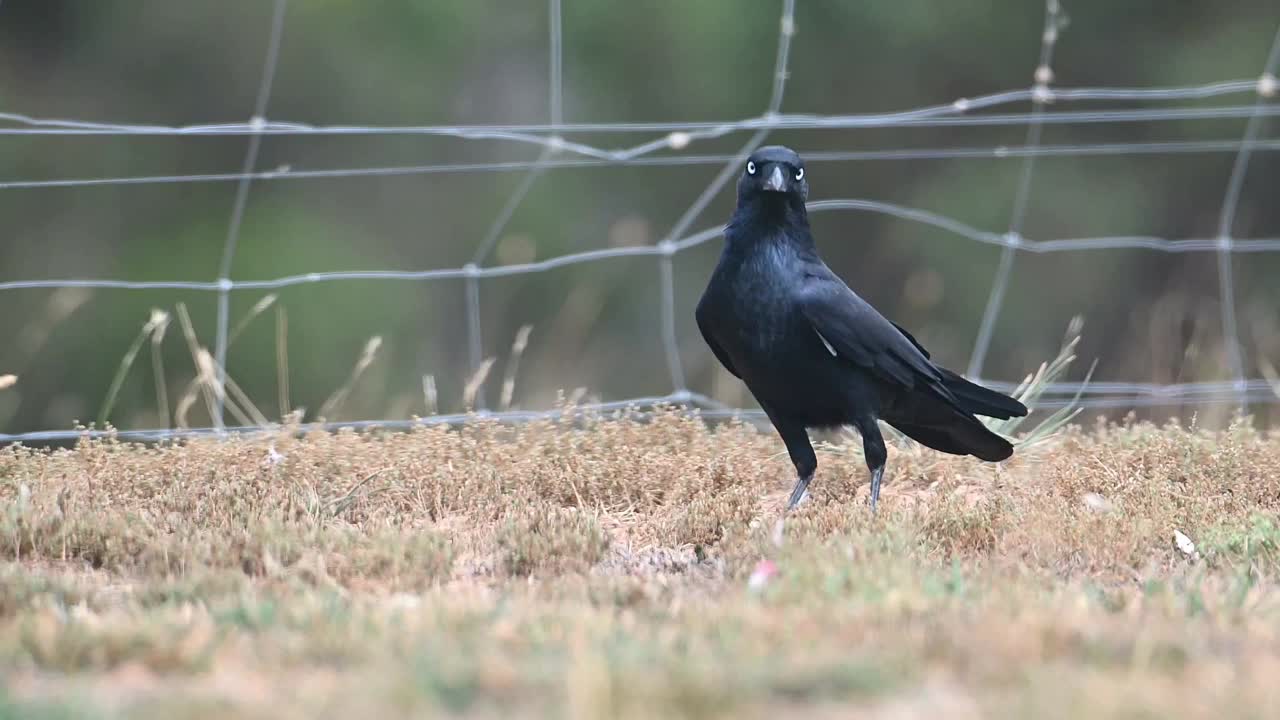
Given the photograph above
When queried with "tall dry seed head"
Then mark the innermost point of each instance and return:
(158, 323)
(369, 354)
(339, 396)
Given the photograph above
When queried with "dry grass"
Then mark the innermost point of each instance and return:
(548, 570)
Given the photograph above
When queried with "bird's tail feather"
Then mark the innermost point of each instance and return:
(974, 398)
(964, 435)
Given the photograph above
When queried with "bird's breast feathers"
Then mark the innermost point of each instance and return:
(758, 297)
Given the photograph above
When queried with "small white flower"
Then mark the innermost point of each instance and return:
(273, 456)
(1097, 503)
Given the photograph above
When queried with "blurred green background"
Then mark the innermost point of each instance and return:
(1149, 317)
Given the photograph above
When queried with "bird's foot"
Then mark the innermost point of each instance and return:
(799, 493)
(876, 475)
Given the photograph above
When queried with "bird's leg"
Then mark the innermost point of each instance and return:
(802, 456)
(874, 451)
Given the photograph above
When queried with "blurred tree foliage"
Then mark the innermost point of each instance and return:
(1149, 316)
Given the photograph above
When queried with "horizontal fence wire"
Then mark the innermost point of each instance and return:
(936, 220)
(1174, 147)
(559, 151)
(952, 113)
(700, 405)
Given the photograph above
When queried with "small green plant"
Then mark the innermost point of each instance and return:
(1034, 386)
(1255, 544)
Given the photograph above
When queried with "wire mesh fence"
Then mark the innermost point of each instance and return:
(559, 149)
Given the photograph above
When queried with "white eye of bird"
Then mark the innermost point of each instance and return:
(751, 168)
(799, 174)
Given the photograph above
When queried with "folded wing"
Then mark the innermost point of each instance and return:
(858, 333)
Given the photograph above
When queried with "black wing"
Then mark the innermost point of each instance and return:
(857, 332)
(704, 326)
(854, 330)
(912, 339)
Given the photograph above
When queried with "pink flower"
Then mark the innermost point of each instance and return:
(764, 572)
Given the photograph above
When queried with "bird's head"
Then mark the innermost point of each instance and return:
(773, 174)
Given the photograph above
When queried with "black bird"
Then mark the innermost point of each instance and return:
(813, 353)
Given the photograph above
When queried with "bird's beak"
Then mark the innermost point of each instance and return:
(777, 182)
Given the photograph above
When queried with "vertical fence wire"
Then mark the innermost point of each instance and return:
(238, 209)
(1226, 222)
(781, 73)
(1040, 94)
(555, 109)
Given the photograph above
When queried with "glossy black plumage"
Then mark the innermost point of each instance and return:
(813, 353)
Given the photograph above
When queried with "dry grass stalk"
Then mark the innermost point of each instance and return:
(155, 323)
(237, 401)
(430, 399)
(334, 403)
(1269, 372)
(159, 325)
(258, 308)
(513, 365)
(282, 361)
(477, 379)
(199, 384)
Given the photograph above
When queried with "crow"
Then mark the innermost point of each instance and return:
(813, 353)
